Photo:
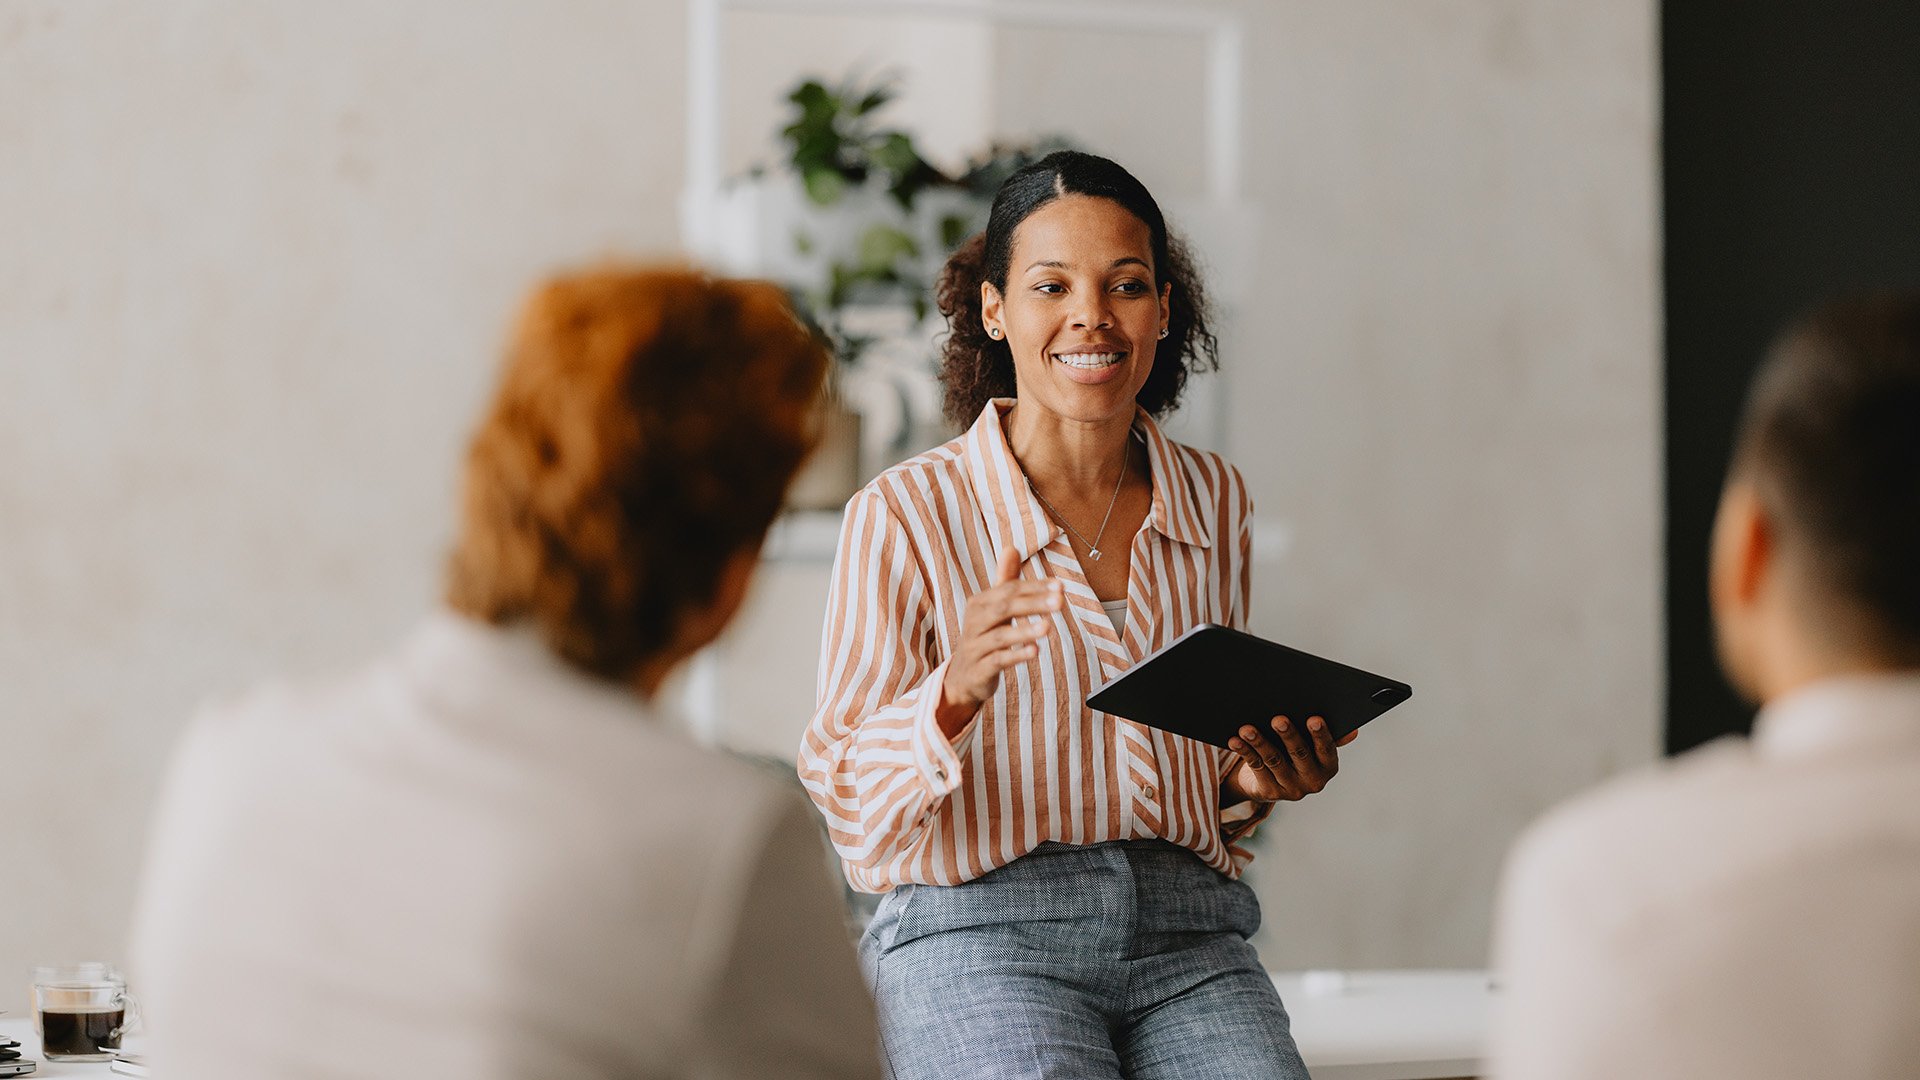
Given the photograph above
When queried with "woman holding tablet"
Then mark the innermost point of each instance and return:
(1063, 893)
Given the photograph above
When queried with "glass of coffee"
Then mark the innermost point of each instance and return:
(80, 1010)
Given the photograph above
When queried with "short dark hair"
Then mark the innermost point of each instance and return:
(1831, 441)
(975, 368)
(643, 433)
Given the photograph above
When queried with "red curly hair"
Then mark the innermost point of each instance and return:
(644, 432)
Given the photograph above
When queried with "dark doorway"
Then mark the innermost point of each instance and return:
(1792, 171)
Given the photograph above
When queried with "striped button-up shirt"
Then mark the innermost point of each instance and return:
(905, 804)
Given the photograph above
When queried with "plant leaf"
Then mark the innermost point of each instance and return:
(881, 245)
(840, 283)
(875, 98)
(810, 95)
(953, 231)
(895, 153)
(824, 184)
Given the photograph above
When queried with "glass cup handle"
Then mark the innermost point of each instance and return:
(130, 1017)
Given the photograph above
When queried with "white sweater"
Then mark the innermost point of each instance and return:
(1750, 911)
(469, 860)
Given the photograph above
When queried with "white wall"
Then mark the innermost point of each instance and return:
(256, 262)
(1455, 404)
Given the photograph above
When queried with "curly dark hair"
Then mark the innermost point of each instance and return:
(975, 368)
(644, 432)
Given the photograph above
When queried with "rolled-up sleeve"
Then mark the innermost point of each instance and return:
(874, 758)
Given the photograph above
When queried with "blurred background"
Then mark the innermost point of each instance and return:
(257, 262)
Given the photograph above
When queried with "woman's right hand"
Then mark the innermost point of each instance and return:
(996, 632)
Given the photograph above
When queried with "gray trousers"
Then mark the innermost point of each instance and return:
(1124, 959)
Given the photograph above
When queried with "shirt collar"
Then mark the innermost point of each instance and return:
(507, 675)
(1016, 518)
(1848, 713)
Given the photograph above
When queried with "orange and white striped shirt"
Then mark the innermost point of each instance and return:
(904, 804)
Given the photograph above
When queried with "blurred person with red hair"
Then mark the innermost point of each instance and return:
(481, 856)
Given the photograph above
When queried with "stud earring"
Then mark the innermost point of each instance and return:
(1163, 333)
(994, 333)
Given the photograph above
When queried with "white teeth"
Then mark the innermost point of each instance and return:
(1088, 360)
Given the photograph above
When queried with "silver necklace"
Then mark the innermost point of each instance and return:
(1093, 545)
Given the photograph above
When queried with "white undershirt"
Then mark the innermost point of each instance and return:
(1116, 614)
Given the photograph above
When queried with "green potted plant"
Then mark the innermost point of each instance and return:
(864, 229)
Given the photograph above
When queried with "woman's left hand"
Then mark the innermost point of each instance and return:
(1288, 768)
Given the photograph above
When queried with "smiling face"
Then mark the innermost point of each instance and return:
(1080, 312)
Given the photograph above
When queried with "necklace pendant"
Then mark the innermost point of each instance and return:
(1094, 554)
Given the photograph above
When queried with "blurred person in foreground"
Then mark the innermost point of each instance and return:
(481, 856)
(1753, 909)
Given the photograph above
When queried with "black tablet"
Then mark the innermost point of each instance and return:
(1212, 680)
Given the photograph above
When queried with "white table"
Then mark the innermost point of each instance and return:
(1378, 1025)
(1389, 1025)
(21, 1028)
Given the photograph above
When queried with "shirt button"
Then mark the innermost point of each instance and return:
(1148, 791)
